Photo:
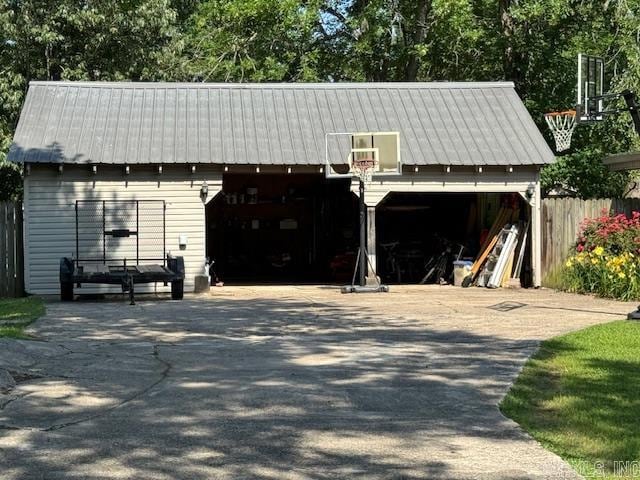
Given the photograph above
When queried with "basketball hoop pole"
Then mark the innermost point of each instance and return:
(363, 236)
(634, 109)
(362, 260)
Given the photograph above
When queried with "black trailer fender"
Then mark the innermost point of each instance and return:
(66, 270)
(176, 265)
(66, 279)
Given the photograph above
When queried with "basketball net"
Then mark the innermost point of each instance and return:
(363, 169)
(562, 125)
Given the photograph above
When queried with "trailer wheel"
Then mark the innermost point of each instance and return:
(66, 291)
(177, 289)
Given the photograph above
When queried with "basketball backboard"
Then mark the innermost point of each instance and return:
(341, 149)
(590, 104)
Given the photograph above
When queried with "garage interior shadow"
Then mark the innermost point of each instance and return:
(303, 228)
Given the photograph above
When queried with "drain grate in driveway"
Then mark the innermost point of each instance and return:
(507, 306)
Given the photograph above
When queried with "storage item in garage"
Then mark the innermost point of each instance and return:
(461, 270)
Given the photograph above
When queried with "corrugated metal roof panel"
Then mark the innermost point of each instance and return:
(439, 123)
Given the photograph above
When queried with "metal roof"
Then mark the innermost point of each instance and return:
(623, 161)
(284, 123)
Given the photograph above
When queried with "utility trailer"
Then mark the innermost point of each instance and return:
(121, 242)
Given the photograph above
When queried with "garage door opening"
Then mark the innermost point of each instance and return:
(268, 228)
(417, 230)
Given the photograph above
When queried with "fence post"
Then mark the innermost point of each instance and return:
(3, 250)
(11, 249)
(19, 288)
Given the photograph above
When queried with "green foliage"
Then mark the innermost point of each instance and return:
(86, 40)
(252, 40)
(532, 43)
(584, 173)
(579, 396)
(10, 182)
(606, 261)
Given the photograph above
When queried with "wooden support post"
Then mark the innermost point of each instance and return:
(536, 235)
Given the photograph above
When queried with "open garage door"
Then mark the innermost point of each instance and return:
(267, 228)
(416, 231)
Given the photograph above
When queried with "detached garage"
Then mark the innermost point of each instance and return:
(253, 175)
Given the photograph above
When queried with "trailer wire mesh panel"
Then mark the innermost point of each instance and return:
(120, 232)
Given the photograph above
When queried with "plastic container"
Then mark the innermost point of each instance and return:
(461, 269)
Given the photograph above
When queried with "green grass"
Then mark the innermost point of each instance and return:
(580, 397)
(17, 313)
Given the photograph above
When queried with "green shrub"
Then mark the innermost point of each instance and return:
(10, 181)
(606, 261)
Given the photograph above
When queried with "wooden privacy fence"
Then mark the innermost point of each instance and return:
(11, 250)
(561, 219)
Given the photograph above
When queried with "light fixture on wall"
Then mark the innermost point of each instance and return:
(531, 191)
(127, 170)
(257, 169)
(204, 192)
(94, 169)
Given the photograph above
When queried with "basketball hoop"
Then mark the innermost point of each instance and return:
(363, 168)
(561, 125)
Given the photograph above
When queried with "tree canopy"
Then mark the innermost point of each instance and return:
(533, 43)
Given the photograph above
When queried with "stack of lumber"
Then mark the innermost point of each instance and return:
(502, 253)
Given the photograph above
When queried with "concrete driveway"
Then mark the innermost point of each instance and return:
(282, 383)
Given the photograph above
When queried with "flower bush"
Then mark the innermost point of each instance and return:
(606, 260)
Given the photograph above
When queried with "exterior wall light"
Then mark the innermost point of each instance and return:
(531, 191)
(204, 192)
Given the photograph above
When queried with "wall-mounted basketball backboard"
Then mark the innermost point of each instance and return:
(590, 104)
(343, 149)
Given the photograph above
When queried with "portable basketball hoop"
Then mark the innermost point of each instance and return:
(562, 125)
(364, 162)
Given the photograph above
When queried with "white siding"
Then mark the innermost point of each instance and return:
(49, 206)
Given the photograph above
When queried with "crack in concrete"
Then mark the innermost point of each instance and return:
(163, 376)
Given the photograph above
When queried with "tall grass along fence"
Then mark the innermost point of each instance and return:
(561, 219)
(11, 250)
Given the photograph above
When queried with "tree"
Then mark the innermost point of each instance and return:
(76, 40)
(252, 40)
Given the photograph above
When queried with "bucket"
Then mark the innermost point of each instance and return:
(461, 269)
